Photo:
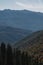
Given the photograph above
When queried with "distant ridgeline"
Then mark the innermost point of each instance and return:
(13, 56)
(11, 35)
(23, 19)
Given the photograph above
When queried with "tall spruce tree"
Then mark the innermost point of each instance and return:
(14, 57)
(26, 58)
(23, 58)
(18, 57)
(37, 61)
(3, 51)
(0, 55)
(9, 55)
(29, 60)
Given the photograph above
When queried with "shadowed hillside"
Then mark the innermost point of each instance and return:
(9, 56)
(33, 44)
(11, 35)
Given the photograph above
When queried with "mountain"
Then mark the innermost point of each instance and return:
(23, 19)
(32, 43)
(12, 35)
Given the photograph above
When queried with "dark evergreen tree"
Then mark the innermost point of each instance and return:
(3, 51)
(9, 55)
(37, 61)
(26, 58)
(14, 57)
(18, 57)
(0, 55)
(30, 59)
(23, 58)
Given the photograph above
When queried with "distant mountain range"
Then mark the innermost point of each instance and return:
(23, 19)
(12, 35)
(21, 28)
(18, 27)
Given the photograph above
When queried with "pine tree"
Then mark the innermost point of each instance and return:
(14, 57)
(26, 58)
(37, 61)
(9, 55)
(18, 57)
(29, 60)
(23, 58)
(3, 51)
(0, 55)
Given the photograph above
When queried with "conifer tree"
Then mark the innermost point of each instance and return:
(26, 58)
(37, 61)
(9, 55)
(18, 57)
(3, 51)
(14, 57)
(29, 60)
(23, 58)
(0, 55)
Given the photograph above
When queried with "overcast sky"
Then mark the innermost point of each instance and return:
(34, 5)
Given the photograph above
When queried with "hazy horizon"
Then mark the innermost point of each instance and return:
(32, 5)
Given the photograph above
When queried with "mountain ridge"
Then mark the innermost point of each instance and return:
(23, 19)
(12, 35)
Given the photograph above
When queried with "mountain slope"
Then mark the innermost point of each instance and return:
(33, 43)
(22, 19)
(11, 35)
(34, 38)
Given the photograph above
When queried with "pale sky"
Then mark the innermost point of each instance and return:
(7, 4)
(33, 5)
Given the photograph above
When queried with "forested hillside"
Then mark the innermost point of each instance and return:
(32, 44)
(9, 56)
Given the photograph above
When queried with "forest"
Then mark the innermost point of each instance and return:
(14, 56)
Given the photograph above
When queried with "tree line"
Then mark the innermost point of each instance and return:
(9, 56)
